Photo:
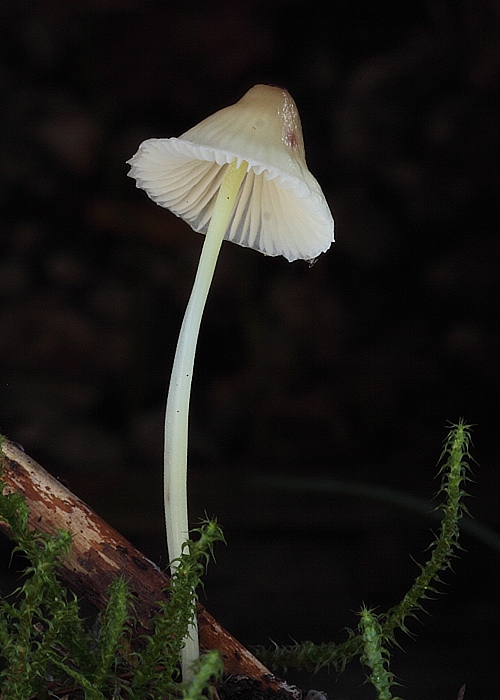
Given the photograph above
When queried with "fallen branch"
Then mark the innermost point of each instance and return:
(99, 554)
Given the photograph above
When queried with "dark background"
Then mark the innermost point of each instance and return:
(348, 371)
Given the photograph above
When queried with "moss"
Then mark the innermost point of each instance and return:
(371, 643)
(46, 647)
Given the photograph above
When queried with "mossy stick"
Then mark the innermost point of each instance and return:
(99, 554)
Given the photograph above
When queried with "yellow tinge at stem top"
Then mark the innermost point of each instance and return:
(177, 411)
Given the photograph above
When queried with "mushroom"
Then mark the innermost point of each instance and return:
(240, 174)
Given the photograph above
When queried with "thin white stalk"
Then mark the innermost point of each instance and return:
(177, 411)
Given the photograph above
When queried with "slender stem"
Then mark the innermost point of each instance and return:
(177, 411)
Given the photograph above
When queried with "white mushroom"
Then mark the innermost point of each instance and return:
(240, 174)
(280, 208)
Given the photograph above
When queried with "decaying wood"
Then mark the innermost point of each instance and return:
(99, 554)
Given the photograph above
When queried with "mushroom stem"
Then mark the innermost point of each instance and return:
(177, 410)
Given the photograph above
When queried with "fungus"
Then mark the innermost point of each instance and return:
(240, 174)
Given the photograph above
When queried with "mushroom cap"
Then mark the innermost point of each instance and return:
(280, 208)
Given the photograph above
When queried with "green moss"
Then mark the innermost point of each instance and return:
(371, 643)
(46, 648)
(45, 645)
(374, 656)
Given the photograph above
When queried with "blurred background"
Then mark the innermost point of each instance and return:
(311, 385)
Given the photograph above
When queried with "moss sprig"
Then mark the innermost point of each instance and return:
(375, 656)
(208, 667)
(454, 469)
(175, 616)
(41, 613)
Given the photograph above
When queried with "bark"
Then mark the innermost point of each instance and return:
(99, 554)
